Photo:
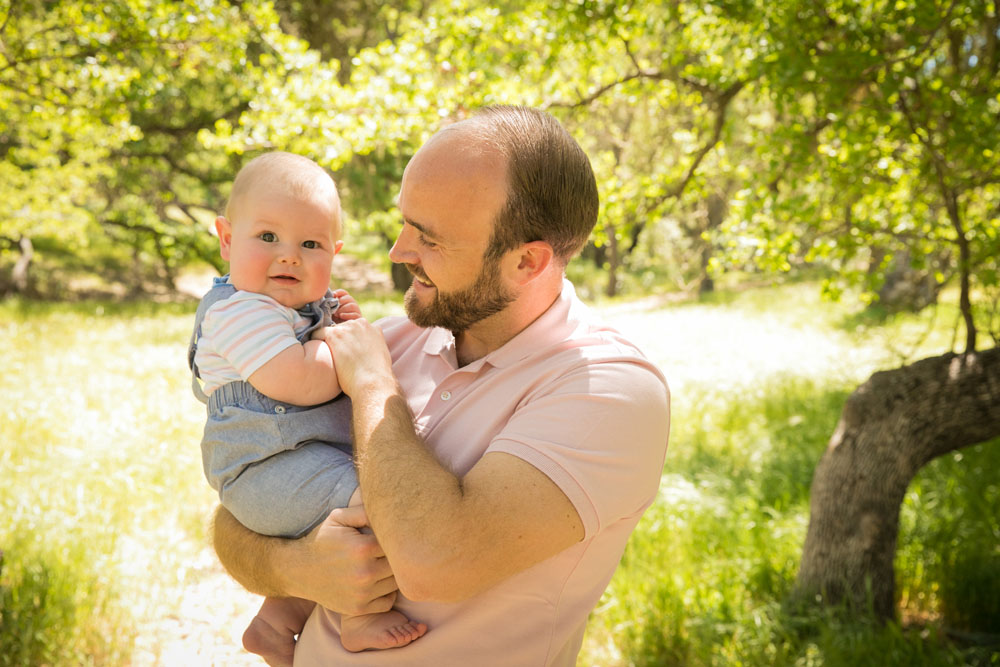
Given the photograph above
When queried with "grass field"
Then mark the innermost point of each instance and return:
(105, 506)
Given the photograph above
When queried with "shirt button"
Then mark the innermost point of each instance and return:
(280, 409)
(445, 395)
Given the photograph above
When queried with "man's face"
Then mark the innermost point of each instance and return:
(449, 199)
(459, 309)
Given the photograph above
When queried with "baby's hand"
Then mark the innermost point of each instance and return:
(349, 308)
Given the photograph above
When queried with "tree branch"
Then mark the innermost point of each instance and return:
(950, 198)
(889, 62)
(6, 19)
(174, 164)
(85, 53)
(638, 73)
(721, 110)
(196, 124)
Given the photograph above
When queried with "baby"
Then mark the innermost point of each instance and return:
(277, 440)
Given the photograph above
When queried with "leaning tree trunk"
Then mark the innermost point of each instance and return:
(892, 425)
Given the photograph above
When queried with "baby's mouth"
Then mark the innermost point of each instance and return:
(285, 279)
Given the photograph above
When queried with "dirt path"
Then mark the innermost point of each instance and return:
(211, 612)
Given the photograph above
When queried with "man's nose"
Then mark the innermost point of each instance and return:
(401, 251)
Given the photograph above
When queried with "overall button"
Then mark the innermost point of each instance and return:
(445, 395)
(280, 409)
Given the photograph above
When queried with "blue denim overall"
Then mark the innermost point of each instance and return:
(280, 469)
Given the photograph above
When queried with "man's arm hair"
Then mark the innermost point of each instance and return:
(452, 538)
(334, 564)
(246, 555)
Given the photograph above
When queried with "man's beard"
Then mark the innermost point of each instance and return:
(457, 311)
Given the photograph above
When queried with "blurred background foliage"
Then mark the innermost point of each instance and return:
(852, 139)
(850, 144)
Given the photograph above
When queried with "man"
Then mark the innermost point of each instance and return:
(506, 443)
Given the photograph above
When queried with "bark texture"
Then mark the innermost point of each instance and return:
(892, 425)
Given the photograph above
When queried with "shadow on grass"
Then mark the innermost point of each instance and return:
(707, 575)
(24, 309)
(950, 533)
(766, 444)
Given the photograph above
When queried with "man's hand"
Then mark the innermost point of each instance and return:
(361, 354)
(335, 565)
(342, 568)
(349, 308)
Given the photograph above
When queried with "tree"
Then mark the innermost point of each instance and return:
(882, 137)
(647, 90)
(859, 137)
(102, 104)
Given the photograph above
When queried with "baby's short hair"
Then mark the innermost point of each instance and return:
(295, 175)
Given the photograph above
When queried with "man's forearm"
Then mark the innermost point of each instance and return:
(246, 555)
(335, 564)
(446, 537)
(413, 502)
(449, 538)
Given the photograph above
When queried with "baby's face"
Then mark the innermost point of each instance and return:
(283, 247)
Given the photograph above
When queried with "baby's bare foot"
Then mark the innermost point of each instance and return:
(277, 648)
(378, 631)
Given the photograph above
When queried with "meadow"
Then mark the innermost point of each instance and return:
(104, 537)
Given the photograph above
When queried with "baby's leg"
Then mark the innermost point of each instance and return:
(271, 634)
(389, 629)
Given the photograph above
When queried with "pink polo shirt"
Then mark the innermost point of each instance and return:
(580, 403)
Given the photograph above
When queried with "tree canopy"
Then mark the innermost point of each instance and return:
(858, 137)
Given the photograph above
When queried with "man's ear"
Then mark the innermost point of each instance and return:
(532, 260)
(225, 232)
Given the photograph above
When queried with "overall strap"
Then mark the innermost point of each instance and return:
(221, 289)
(319, 312)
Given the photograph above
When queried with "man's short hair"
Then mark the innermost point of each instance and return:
(551, 189)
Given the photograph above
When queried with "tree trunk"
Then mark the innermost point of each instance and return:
(614, 262)
(20, 274)
(892, 425)
(401, 276)
(715, 214)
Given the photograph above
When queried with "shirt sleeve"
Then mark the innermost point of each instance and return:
(600, 433)
(248, 330)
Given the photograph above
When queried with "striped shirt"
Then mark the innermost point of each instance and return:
(242, 333)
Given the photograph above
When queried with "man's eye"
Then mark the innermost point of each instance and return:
(268, 237)
(310, 244)
(427, 244)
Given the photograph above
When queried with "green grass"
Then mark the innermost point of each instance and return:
(758, 382)
(105, 506)
(100, 483)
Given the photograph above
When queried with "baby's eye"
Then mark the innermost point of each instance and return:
(310, 244)
(267, 237)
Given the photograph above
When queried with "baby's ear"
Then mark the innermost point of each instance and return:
(337, 247)
(225, 232)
